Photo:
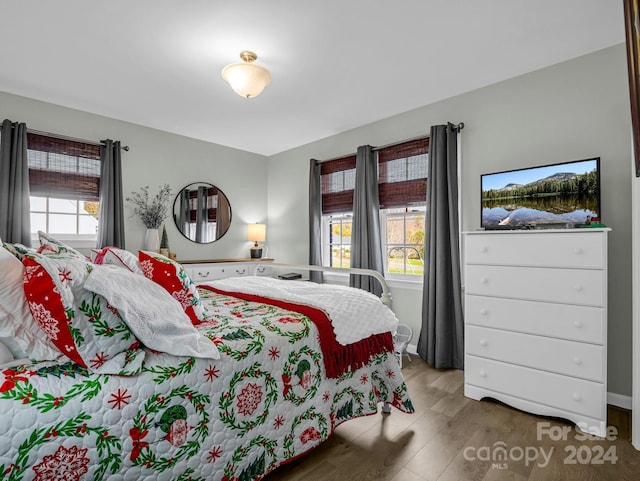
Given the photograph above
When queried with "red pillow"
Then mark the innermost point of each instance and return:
(170, 275)
(47, 308)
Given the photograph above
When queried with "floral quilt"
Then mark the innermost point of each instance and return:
(266, 401)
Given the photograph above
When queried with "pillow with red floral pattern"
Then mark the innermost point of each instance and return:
(80, 323)
(170, 275)
(117, 257)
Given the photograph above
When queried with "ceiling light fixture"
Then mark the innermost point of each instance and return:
(247, 79)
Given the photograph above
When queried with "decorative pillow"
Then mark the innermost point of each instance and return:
(81, 323)
(16, 321)
(170, 275)
(18, 250)
(157, 320)
(117, 257)
(52, 245)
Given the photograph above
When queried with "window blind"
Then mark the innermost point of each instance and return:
(63, 168)
(337, 181)
(402, 172)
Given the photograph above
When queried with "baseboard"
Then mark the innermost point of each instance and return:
(619, 400)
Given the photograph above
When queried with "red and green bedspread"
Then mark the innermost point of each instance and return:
(266, 401)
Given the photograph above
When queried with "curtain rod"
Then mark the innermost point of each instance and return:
(422, 137)
(457, 127)
(72, 139)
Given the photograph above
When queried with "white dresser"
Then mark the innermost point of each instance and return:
(209, 270)
(536, 322)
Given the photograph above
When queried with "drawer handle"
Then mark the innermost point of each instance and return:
(203, 275)
(261, 269)
(578, 250)
(484, 281)
(577, 361)
(483, 342)
(484, 249)
(578, 287)
(482, 374)
(240, 271)
(577, 323)
(577, 397)
(483, 312)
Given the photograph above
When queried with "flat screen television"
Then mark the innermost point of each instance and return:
(544, 196)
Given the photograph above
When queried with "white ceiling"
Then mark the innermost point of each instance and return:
(336, 64)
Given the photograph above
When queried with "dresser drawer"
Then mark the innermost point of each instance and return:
(575, 359)
(562, 392)
(571, 286)
(565, 321)
(263, 270)
(568, 249)
(209, 272)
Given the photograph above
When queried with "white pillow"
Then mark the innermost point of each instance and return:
(5, 355)
(156, 318)
(15, 318)
(14, 347)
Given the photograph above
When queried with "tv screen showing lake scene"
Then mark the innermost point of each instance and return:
(551, 194)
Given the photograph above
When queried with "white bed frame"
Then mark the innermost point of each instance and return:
(385, 297)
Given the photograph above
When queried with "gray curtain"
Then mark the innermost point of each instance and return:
(366, 243)
(202, 215)
(441, 340)
(315, 220)
(184, 213)
(15, 220)
(111, 216)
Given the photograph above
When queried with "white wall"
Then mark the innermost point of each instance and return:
(156, 158)
(574, 110)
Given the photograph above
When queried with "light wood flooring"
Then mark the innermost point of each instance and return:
(444, 439)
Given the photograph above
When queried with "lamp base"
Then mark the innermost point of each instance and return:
(256, 252)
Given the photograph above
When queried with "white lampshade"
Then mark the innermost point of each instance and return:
(257, 232)
(246, 78)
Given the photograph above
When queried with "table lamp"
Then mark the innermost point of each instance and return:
(257, 233)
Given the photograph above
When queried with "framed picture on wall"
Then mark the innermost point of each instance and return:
(632, 28)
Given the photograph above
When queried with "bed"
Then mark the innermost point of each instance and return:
(250, 381)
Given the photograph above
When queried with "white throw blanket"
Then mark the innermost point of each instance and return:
(355, 314)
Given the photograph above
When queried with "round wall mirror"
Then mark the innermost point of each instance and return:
(202, 212)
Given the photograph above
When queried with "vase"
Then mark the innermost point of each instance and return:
(152, 240)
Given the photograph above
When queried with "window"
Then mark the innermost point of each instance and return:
(337, 179)
(338, 232)
(402, 171)
(64, 179)
(403, 239)
(402, 187)
(203, 211)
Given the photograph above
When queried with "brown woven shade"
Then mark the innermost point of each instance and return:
(337, 178)
(402, 177)
(64, 169)
(402, 171)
